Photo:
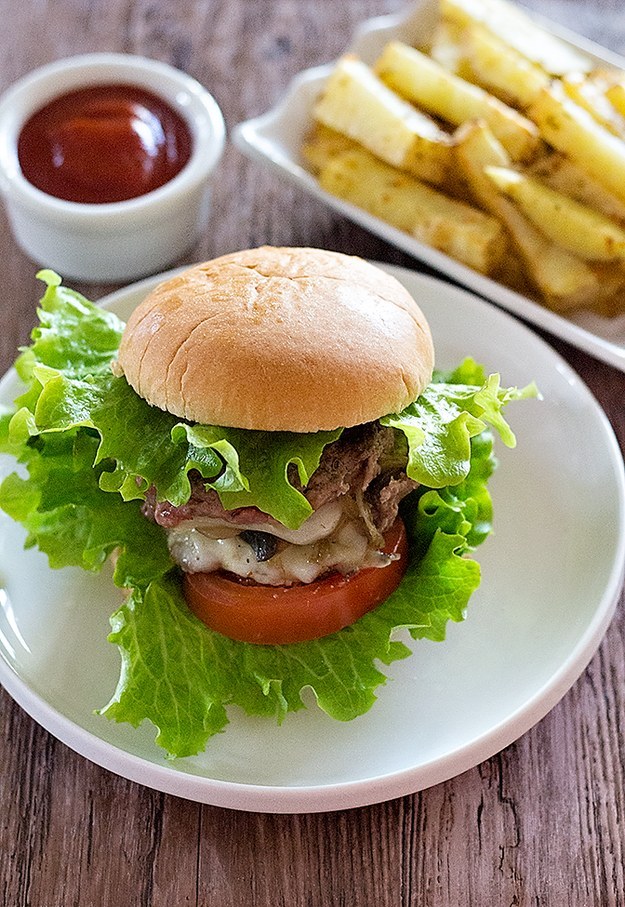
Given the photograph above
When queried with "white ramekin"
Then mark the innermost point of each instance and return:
(105, 243)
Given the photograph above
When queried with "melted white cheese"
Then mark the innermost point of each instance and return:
(345, 548)
(319, 525)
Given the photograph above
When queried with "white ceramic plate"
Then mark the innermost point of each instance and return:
(275, 138)
(552, 573)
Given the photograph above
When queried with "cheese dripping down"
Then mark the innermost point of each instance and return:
(329, 540)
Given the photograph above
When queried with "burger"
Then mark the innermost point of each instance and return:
(245, 342)
(279, 474)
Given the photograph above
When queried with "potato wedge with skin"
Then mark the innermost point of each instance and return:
(558, 172)
(321, 143)
(475, 148)
(359, 105)
(453, 227)
(574, 132)
(564, 281)
(423, 81)
(565, 222)
(498, 68)
(517, 30)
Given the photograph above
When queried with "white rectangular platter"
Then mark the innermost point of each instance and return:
(275, 139)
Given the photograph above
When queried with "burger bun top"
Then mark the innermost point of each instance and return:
(279, 339)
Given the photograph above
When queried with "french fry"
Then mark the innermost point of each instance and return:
(538, 150)
(573, 131)
(517, 30)
(358, 104)
(322, 143)
(565, 281)
(591, 94)
(562, 174)
(565, 222)
(453, 227)
(475, 148)
(423, 81)
(500, 69)
(447, 48)
(615, 93)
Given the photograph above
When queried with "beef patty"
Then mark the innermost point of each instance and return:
(366, 464)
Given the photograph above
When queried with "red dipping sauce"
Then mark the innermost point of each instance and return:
(104, 143)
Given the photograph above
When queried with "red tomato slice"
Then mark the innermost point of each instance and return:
(271, 615)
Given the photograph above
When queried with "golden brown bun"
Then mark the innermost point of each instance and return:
(279, 340)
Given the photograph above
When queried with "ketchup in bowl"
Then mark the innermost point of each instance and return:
(103, 143)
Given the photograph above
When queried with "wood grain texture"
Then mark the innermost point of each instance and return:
(541, 823)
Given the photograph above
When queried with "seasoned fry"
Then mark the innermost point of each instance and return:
(562, 174)
(590, 93)
(499, 68)
(564, 280)
(469, 235)
(495, 142)
(615, 94)
(421, 80)
(565, 222)
(512, 26)
(476, 148)
(574, 132)
(321, 144)
(448, 49)
(356, 103)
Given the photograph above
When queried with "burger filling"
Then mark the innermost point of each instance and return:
(355, 494)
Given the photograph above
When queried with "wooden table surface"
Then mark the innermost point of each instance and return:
(541, 823)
